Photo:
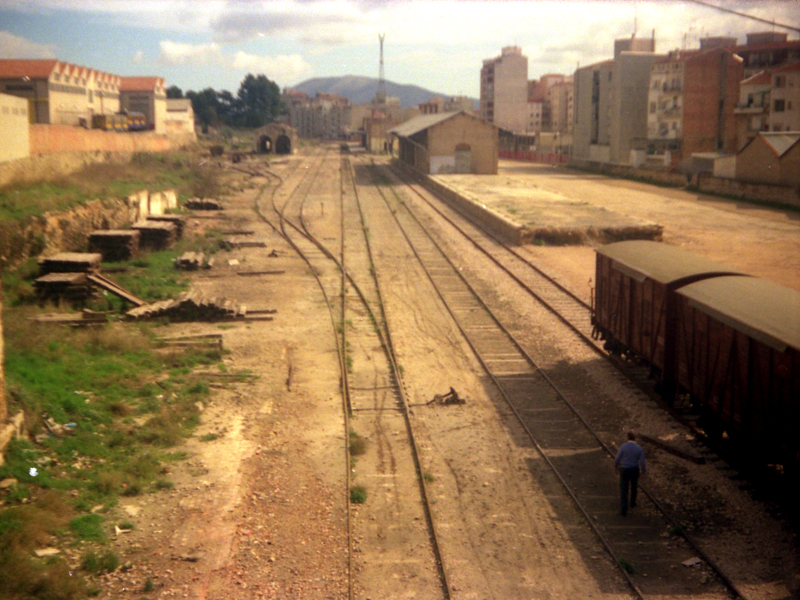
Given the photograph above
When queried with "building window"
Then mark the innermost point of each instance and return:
(780, 81)
(779, 106)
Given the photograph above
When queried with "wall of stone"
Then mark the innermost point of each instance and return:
(52, 139)
(66, 231)
(762, 192)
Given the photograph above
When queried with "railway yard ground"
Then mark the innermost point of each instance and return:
(261, 507)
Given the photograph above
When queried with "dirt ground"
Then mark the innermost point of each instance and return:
(260, 510)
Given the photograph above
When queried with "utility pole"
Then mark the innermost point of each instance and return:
(380, 97)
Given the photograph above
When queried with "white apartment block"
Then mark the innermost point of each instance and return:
(504, 90)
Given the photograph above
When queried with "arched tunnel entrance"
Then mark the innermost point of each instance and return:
(265, 144)
(283, 145)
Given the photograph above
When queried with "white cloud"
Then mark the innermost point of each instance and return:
(177, 53)
(137, 58)
(276, 68)
(13, 46)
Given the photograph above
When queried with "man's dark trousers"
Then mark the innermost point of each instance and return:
(628, 477)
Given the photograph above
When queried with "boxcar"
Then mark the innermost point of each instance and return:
(738, 355)
(634, 299)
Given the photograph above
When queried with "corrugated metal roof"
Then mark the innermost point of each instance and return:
(420, 123)
(759, 308)
(661, 262)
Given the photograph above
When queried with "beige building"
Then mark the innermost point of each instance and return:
(58, 92)
(180, 117)
(14, 128)
(504, 90)
(784, 105)
(772, 158)
(146, 95)
(456, 142)
(752, 112)
(610, 105)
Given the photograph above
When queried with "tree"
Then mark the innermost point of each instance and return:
(259, 101)
(174, 91)
(205, 105)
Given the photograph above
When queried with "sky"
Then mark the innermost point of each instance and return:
(439, 45)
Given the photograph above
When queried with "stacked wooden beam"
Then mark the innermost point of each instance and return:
(115, 244)
(156, 235)
(229, 243)
(191, 306)
(75, 288)
(71, 262)
(177, 220)
(203, 204)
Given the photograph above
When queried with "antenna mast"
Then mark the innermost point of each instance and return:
(380, 97)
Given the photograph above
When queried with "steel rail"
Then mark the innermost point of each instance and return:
(723, 577)
(382, 334)
(280, 229)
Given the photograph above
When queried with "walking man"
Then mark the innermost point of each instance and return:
(629, 461)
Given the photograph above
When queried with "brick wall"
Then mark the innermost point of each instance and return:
(53, 139)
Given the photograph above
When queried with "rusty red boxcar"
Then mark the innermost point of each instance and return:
(634, 299)
(738, 355)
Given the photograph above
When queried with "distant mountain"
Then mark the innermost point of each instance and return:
(361, 90)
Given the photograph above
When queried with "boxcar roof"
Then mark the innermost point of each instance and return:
(761, 309)
(661, 262)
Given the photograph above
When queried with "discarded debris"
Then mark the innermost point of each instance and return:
(450, 397)
(43, 552)
(203, 204)
(692, 562)
(202, 339)
(192, 261)
(82, 319)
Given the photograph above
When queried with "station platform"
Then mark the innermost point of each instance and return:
(524, 214)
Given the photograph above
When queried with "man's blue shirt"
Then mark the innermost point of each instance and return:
(630, 455)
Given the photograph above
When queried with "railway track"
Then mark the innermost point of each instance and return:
(648, 543)
(374, 404)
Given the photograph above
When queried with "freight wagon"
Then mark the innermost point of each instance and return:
(738, 356)
(634, 298)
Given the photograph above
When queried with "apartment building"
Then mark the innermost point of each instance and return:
(58, 92)
(784, 102)
(752, 112)
(504, 90)
(691, 103)
(610, 102)
(325, 116)
(561, 99)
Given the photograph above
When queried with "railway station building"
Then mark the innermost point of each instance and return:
(455, 142)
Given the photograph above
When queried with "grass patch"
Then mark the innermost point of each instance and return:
(358, 444)
(96, 564)
(358, 494)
